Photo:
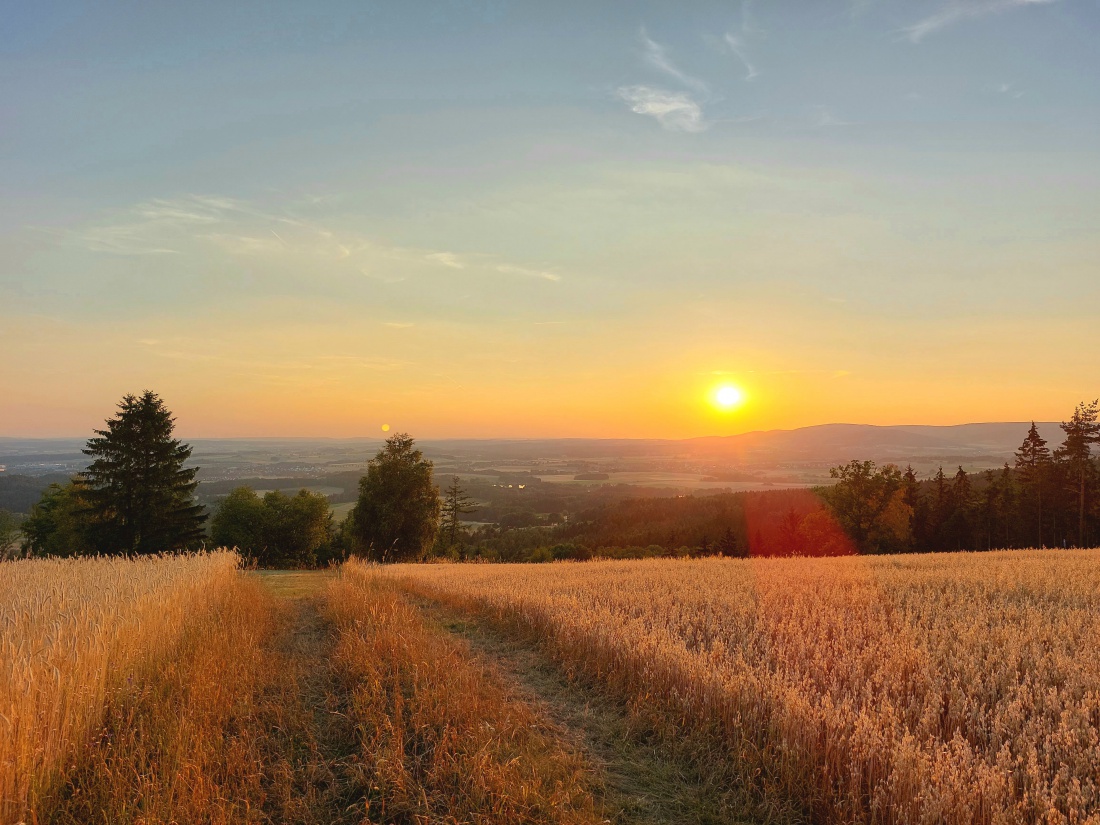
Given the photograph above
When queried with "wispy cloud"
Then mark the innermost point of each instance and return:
(675, 111)
(738, 48)
(657, 57)
(448, 259)
(748, 20)
(963, 10)
(508, 269)
(200, 224)
(122, 239)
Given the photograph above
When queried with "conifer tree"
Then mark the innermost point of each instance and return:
(455, 504)
(1082, 431)
(140, 497)
(940, 510)
(1033, 464)
(1008, 503)
(961, 497)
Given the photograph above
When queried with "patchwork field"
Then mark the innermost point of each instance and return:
(953, 688)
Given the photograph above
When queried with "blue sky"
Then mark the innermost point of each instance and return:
(548, 219)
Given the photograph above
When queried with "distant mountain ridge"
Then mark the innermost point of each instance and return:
(842, 442)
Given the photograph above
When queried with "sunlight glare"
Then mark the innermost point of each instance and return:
(728, 397)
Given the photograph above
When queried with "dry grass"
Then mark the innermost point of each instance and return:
(952, 688)
(73, 631)
(184, 743)
(442, 741)
(238, 725)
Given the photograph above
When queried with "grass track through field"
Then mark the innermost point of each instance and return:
(641, 781)
(295, 584)
(255, 720)
(321, 743)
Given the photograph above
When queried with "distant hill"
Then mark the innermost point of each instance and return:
(19, 493)
(991, 443)
(974, 445)
(986, 444)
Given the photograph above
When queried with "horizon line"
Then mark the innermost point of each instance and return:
(538, 437)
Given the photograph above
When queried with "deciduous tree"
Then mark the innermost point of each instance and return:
(57, 525)
(869, 503)
(9, 534)
(396, 516)
(277, 530)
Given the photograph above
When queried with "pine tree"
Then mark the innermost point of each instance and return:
(958, 526)
(1033, 463)
(1082, 430)
(912, 499)
(455, 504)
(1008, 503)
(140, 497)
(939, 511)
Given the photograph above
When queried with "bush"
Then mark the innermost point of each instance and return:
(540, 555)
(277, 530)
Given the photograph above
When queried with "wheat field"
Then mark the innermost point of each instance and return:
(441, 740)
(950, 688)
(70, 630)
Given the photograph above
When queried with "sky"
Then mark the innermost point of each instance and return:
(505, 219)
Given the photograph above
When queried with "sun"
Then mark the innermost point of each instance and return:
(728, 397)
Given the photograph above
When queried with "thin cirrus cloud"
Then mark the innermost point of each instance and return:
(448, 259)
(657, 57)
(508, 269)
(197, 224)
(959, 11)
(675, 111)
(738, 49)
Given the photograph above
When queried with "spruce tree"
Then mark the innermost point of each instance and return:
(140, 497)
(1082, 431)
(1033, 464)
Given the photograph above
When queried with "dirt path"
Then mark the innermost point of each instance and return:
(308, 711)
(642, 782)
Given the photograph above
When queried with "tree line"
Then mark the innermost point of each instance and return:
(137, 497)
(1045, 498)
